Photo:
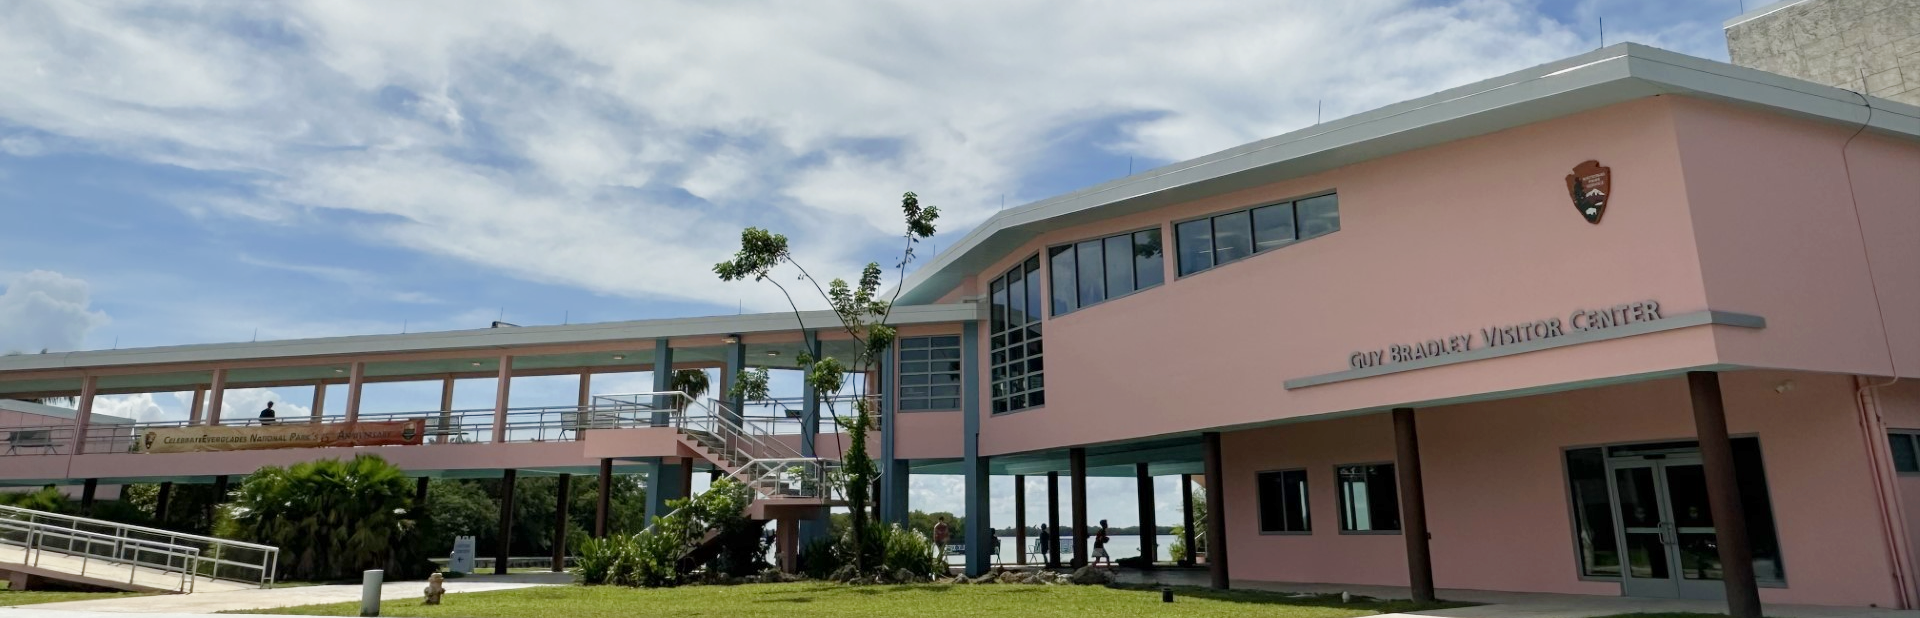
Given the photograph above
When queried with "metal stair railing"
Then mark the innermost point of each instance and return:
(213, 558)
(34, 539)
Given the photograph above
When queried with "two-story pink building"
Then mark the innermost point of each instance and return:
(1631, 323)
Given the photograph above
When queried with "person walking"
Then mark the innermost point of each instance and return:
(1044, 545)
(940, 534)
(266, 416)
(1100, 546)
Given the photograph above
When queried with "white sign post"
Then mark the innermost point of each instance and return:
(462, 559)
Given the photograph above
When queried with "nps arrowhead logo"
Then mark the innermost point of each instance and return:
(1589, 185)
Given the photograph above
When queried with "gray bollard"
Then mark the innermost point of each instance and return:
(370, 592)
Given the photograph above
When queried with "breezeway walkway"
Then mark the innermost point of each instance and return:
(1518, 604)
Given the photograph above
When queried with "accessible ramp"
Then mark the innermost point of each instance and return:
(39, 549)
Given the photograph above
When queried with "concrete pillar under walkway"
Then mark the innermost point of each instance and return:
(1413, 505)
(1053, 520)
(1077, 466)
(1149, 537)
(1216, 512)
(501, 552)
(604, 504)
(1723, 495)
(562, 498)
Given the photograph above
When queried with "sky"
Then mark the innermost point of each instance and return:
(202, 172)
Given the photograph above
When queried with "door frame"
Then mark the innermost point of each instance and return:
(1676, 585)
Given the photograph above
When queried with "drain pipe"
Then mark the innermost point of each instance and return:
(1886, 492)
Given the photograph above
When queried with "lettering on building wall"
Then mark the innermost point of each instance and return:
(1494, 336)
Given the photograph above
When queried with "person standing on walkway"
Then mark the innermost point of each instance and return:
(1044, 545)
(1100, 546)
(266, 416)
(940, 533)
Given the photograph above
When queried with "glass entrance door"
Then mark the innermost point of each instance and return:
(1666, 531)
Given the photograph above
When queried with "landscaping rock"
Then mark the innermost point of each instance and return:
(1090, 576)
(1009, 577)
(844, 574)
(905, 576)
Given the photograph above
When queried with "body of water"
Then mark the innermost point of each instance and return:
(1118, 545)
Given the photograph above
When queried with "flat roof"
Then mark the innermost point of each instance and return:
(501, 339)
(1596, 79)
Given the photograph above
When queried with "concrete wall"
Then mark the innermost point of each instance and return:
(1870, 46)
(1497, 496)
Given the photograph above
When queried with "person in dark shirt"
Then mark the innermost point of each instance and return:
(266, 416)
(1100, 546)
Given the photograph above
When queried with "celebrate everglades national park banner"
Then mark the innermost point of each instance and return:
(202, 438)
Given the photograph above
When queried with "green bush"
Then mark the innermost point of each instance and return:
(47, 499)
(331, 519)
(910, 550)
(821, 557)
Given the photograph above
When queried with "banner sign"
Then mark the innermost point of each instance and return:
(209, 438)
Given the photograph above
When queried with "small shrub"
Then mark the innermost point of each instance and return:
(910, 550)
(820, 558)
(598, 559)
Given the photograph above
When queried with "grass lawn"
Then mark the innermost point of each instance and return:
(811, 599)
(31, 597)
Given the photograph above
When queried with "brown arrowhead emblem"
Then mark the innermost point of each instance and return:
(1590, 184)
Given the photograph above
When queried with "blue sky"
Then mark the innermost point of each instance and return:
(209, 172)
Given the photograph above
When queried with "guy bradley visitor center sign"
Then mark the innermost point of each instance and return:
(1491, 336)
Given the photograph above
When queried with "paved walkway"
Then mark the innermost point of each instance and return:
(1518, 604)
(242, 600)
(56, 565)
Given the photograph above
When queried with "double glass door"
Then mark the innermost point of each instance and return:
(1666, 533)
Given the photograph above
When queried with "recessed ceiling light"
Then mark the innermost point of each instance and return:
(619, 357)
(339, 371)
(773, 352)
(476, 363)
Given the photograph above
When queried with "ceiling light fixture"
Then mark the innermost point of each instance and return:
(773, 352)
(730, 340)
(619, 357)
(476, 363)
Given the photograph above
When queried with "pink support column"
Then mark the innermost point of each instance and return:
(319, 400)
(356, 377)
(500, 399)
(83, 418)
(585, 403)
(216, 396)
(199, 403)
(446, 411)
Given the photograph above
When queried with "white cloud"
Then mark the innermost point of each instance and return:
(552, 142)
(242, 403)
(142, 407)
(46, 310)
(21, 146)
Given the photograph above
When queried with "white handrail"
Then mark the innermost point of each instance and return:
(221, 550)
(34, 546)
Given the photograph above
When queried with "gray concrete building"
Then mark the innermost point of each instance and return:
(1870, 46)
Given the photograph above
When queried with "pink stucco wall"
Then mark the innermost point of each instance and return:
(1497, 495)
(929, 435)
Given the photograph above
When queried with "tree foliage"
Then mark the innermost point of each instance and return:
(863, 316)
(331, 519)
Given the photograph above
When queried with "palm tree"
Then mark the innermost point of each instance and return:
(693, 382)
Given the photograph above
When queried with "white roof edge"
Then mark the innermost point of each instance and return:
(485, 338)
(1760, 12)
(1623, 71)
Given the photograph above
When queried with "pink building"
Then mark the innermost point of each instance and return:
(1631, 323)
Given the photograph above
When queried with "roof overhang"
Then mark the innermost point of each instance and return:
(1597, 79)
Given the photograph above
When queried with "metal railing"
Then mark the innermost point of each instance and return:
(193, 556)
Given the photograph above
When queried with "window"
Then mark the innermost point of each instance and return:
(1906, 454)
(930, 373)
(1369, 502)
(1091, 271)
(1283, 502)
(1593, 513)
(1206, 243)
(1014, 328)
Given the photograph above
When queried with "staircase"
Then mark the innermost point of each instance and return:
(38, 547)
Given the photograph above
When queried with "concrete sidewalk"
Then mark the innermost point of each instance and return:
(1516, 604)
(251, 599)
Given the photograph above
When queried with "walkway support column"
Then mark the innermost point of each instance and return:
(813, 528)
(83, 416)
(86, 496)
(1723, 495)
(663, 382)
(562, 499)
(216, 397)
(736, 362)
(420, 491)
(584, 415)
(356, 379)
(319, 400)
(199, 405)
(501, 552)
(975, 510)
(604, 504)
(219, 497)
(1216, 488)
(1186, 520)
(1053, 520)
(503, 389)
(1149, 530)
(1413, 505)
(979, 514)
(1020, 519)
(1077, 468)
(663, 483)
(446, 411)
(893, 486)
(161, 502)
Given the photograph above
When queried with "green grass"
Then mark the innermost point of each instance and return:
(814, 599)
(33, 597)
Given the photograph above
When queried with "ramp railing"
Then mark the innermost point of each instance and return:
(137, 548)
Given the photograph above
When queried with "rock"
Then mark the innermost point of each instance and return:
(844, 574)
(1009, 577)
(962, 580)
(1090, 576)
(905, 576)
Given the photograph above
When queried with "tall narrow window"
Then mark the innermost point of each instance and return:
(1592, 513)
(1093, 278)
(1906, 458)
(930, 373)
(1232, 236)
(1119, 250)
(1196, 246)
(1015, 369)
(1283, 501)
(1149, 266)
(1065, 292)
(1369, 502)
